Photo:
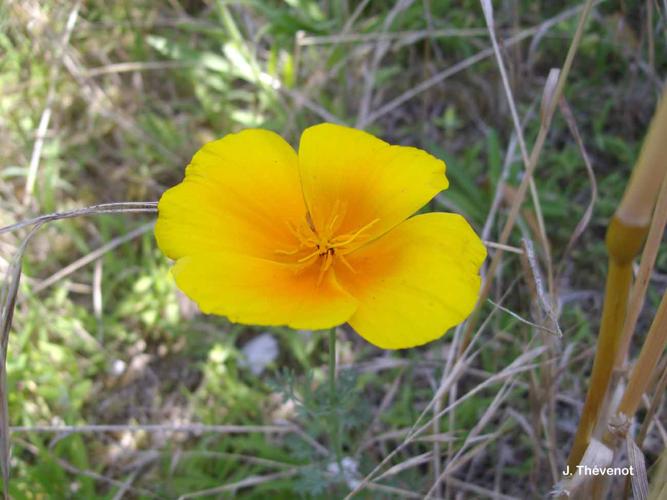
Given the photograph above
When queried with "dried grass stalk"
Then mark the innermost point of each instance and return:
(639, 198)
(8, 302)
(643, 371)
(659, 483)
(623, 242)
(625, 237)
(638, 293)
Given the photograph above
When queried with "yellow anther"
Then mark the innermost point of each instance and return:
(323, 247)
(349, 238)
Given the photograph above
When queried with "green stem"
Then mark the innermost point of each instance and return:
(332, 366)
(334, 415)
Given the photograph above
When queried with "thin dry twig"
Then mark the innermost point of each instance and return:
(132, 66)
(386, 401)
(567, 114)
(404, 36)
(448, 385)
(506, 248)
(647, 263)
(548, 379)
(8, 301)
(487, 8)
(92, 256)
(46, 114)
(656, 401)
(185, 428)
(477, 490)
(378, 54)
(104, 208)
(250, 459)
(122, 485)
(393, 490)
(300, 99)
(456, 365)
(500, 188)
(642, 372)
(466, 63)
(501, 395)
(243, 483)
(544, 301)
(519, 365)
(406, 464)
(534, 157)
(525, 321)
(475, 452)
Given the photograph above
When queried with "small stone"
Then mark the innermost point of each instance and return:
(260, 352)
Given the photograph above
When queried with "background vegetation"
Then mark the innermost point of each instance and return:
(107, 101)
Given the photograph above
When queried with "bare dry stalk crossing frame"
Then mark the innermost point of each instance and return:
(8, 301)
(625, 237)
(534, 157)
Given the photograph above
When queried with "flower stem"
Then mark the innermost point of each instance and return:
(332, 365)
(334, 429)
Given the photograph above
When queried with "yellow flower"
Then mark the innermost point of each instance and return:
(268, 237)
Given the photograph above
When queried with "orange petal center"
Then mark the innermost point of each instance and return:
(325, 245)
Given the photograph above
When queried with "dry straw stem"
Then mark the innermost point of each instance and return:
(659, 393)
(243, 483)
(38, 454)
(534, 280)
(8, 302)
(104, 208)
(639, 198)
(490, 412)
(625, 237)
(544, 312)
(157, 428)
(642, 373)
(466, 63)
(521, 364)
(566, 113)
(548, 369)
(380, 50)
(655, 234)
(619, 278)
(659, 484)
(92, 256)
(404, 36)
(46, 114)
(545, 124)
(487, 8)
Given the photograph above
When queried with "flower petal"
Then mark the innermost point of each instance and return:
(350, 171)
(238, 195)
(256, 291)
(415, 282)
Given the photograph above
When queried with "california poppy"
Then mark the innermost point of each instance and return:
(266, 236)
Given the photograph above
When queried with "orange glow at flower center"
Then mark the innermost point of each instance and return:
(325, 244)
